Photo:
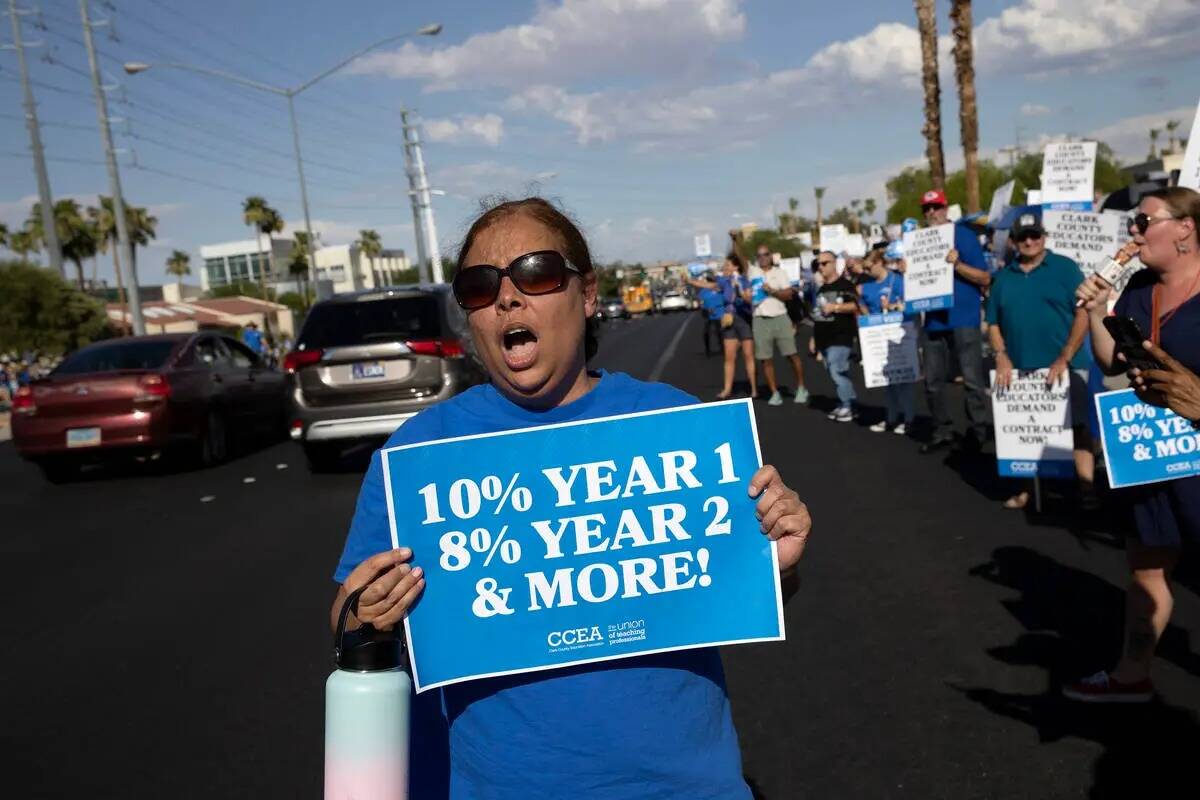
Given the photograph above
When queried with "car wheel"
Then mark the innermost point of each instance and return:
(58, 470)
(214, 447)
(322, 457)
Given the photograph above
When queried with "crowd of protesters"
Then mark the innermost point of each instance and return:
(1035, 311)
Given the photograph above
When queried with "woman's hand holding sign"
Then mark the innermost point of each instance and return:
(393, 588)
(784, 517)
(1174, 386)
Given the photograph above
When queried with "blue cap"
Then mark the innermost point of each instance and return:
(909, 225)
(895, 251)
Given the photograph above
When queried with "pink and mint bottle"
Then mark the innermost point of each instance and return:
(366, 715)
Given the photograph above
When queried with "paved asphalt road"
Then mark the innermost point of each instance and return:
(158, 645)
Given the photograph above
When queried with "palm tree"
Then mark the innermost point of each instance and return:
(869, 208)
(1172, 126)
(3, 235)
(179, 264)
(298, 264)
(141, 226)
(927, 24)
(21, 242)
(854, 204)
(968, 114)
(820, 192)
(264, 219)
(1154, 132)
(76, 235)
(372, 247)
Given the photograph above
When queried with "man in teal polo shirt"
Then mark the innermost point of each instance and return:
(1034, 324)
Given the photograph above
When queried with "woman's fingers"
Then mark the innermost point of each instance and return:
(368, 570)
(401, 601)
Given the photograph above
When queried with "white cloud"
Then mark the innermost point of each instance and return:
(1034, 110)
(1130, 137)
(573, 40)
(464, 128)
(483, 178)
(333, 232)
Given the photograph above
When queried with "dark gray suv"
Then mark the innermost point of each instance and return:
(367, 361)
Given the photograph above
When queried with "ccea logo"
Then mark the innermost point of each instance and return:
(1023, 467)
(574, 636)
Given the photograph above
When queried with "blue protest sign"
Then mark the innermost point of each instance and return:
(583, 542)
(1145, 443)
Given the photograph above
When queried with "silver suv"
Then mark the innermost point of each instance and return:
(367, 361)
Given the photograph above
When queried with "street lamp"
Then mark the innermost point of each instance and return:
(135, 67)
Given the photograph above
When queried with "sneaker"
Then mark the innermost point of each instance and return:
(878, 427)
(843, 415)
(801, 395)
(776, 399)
(1103, 688)
(832, 414)
(900, 429)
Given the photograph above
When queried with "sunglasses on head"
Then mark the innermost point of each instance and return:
(540, 272)
(1141, 222)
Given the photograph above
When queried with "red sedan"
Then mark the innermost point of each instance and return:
(143, 396)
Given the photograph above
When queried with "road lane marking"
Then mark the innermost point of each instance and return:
(669, 353)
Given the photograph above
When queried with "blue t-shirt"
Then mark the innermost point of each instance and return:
(967, 296)
(713, 301)
(1035, 311)
(252, 338)
(874, 292)
(645, 727)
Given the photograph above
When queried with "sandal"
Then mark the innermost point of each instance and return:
(1017, 501)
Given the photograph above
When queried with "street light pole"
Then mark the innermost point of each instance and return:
(114, 181)
(50, 230)
(312, 242)
(134, 67)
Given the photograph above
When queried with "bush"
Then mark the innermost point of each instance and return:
(40, 311)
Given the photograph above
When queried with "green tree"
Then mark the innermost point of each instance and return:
(298, 264)
(264, 219)
(21, 242)
(40, 311)
(179, 264)
(371, 246)
(140, 224)
(76, 235)
(3, 235)
(869, 208)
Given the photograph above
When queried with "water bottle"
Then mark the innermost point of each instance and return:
(366, 714)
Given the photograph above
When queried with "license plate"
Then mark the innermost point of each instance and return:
(83, 437)
(366, 371)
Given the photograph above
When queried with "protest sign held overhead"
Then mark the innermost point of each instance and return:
(1189, 173)
(889, 350)
(703, 245)
(1084, 237)
(1145, 443)
(929, 279)
(539, 557)
(1069, 175)
(1001, 199)
(1033, 427)
(833, 238)
(791, 267)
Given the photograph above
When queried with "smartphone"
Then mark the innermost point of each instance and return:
(1128, 337)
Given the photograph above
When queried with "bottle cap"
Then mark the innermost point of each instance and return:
(365, 649)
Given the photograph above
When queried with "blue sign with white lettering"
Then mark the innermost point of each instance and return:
(1145, 443)
(583, 542)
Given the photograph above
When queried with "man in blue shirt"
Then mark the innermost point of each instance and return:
(1033, 324)
(252, 338)
(954, 334)
(712, 304)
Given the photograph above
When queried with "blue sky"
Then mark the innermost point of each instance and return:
(650, 120)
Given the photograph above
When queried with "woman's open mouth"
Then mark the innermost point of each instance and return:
(519, 344)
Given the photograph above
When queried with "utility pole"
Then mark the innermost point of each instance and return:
(50, 230)
(424, 205)
(114, 179)
(418, 222)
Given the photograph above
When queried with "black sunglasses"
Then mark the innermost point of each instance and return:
(826, 263)
(1142, 222)
(540, 272)
(1025, 236)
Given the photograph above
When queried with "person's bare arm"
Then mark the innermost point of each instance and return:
(1004, 365)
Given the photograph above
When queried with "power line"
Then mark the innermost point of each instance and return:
(50, 87)
(52, 123)
(62, 159)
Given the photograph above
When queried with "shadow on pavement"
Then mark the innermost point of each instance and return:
(1073, 621)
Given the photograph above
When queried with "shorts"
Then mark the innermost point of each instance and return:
(740, 329)
(1081, 396)
(771, 333)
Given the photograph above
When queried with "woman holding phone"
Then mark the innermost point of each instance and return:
(1162, 301)
(649, 726)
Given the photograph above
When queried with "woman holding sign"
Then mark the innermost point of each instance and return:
(1162, 301)
(647, 726)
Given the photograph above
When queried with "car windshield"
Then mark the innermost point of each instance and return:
(390, 319)
(120, 355)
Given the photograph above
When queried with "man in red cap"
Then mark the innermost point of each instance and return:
(954, 334)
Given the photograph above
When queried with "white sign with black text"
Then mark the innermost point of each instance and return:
(1033, 426)
(889, 350)
(1069, 174)
(929, 278)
